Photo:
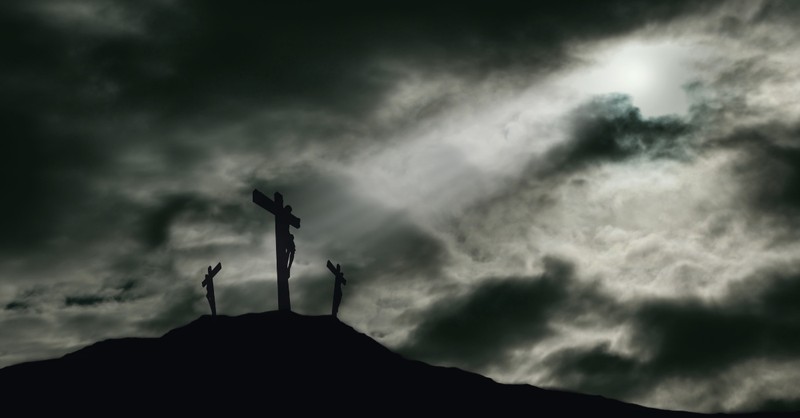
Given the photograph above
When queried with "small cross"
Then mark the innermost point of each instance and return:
(339, 281)
(208, 283)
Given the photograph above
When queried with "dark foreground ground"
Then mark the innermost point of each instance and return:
(274, 364)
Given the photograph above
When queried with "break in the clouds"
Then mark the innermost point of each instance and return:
(599, 197)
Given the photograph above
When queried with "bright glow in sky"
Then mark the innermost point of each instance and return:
(652, 72)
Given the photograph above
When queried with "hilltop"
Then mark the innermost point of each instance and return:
(276, 362)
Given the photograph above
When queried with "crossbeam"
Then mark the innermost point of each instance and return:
(275, 207)
(215, 270)
(337, 270)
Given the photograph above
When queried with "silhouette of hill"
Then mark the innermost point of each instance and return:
(275, 362)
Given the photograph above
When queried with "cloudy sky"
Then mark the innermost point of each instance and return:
(596, 196)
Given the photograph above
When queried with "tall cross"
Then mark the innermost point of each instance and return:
(284, 243)
(339, 281)
(208, 283)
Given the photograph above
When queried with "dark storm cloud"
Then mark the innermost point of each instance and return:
(403, 249)
(87, 300)
(75, 93)
(197, 55)
(691, 339)
(158, 217)
(610, 129)
(778, 405)
(44, 175)
(480, 328)
(245, 53)
(598, 370)
(784, 11)
(155, 231)
(26, 299)
(16, 305)
(768, 167)
(126, 292)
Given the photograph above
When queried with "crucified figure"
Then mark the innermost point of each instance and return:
(290, 250)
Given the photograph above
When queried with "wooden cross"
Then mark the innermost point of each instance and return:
(208, 283)
(283, 220)
(339, 280)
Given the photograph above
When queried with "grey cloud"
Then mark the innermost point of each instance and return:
(244, 297)
(182, 304)
(778, 405)
(133, 276)
(766, 167)
(691, 339)
(90, 326)
(598, 370)
(18, 338)
(775, 170)
(604, 131)
(777, 10)
(314, 295)
(480, 328)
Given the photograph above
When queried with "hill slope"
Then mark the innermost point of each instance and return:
(275, 362)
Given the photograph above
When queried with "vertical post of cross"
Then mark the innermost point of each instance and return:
(284, 243)
(281, 235)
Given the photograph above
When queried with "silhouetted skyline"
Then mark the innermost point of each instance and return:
(165, 374)
(598, 196)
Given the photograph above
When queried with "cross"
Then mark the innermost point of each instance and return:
(283, 241)
(339, 280)
(208, 283)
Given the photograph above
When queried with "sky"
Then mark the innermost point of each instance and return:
(602, 197)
